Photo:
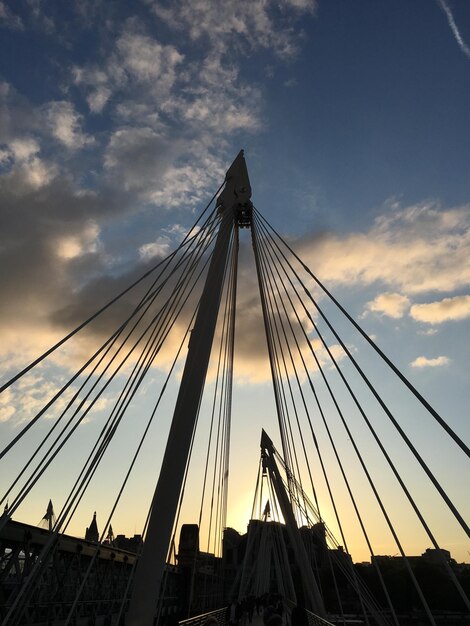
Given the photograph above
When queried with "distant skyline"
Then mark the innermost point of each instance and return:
(118, 122)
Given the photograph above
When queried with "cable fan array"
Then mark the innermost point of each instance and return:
(338, 562)
(172, 291)
(301, 360)
(321, 393)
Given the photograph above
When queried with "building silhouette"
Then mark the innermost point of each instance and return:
(91, 533)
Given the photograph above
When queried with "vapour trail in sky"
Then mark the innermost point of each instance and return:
(453, 26)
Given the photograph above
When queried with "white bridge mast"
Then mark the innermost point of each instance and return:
(235, 210)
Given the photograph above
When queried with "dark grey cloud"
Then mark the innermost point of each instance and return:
(140, 157)
(41, 231)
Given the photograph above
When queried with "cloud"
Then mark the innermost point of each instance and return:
(147, 60)
(138, 66)
(168, 174)
(220, 115)
(415, 249)
(56, 253)
(98, 98)
(9, 19)
(140, 158)
(7, 410)
(453, 26)
(49, 231)
(163, 144)
(37, 173)
(39, 18)
(172, 114)
(240, 25)
(56, 246)
(423, 361)
(428, 332)
(86, 241)
(24, 400)
(23, 168)
(160, 248)
(291, 82)
(65, 124)
(390, 304)
(456, 308)
(24, 148)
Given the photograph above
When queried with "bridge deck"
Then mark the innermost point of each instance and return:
(258, 620)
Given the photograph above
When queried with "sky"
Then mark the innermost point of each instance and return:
(117, 124)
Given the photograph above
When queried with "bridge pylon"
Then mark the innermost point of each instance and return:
(312, 597)
(234, 207)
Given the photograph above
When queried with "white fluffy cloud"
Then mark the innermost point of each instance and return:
(66, 125)
(415, 249)
(139, 67)
(245, 23)
(38, 173)
(423, 361)
(7, 410)
(98, 98)
(456, 308)
(145, 59)
(221, 115)
(24, 148)
(161, 247)
(172, 114)
(390, 304)
(24, 168)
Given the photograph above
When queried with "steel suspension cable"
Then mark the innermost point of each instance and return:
(307, 373)
(183, 486)
(276, 318)
(444, 561)
(109, 342)
(410, 445)
(372, 604)
(130, 468)
(379, 499)
(401, 376)
(84, 400)
(274, 289)
(42, 560)
(108, 382)
(146, 367)
(272, 360)
(322, 466)
(347, 483)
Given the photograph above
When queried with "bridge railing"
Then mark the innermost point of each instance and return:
(218, 616)
(315, 620)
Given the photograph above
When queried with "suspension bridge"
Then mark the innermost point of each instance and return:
(297, 547)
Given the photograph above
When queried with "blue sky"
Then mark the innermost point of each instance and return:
(118, 121)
